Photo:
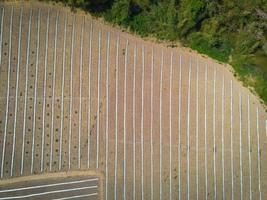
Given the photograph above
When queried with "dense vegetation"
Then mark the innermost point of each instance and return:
(231, 31)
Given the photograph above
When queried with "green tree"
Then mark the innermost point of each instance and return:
(192, 13)
(119, 12)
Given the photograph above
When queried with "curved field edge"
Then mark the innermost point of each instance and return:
(228, 32)
(165, 98)
(247, 60)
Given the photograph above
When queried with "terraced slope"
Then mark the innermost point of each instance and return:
(159, 123)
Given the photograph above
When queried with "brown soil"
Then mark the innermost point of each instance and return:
(201, 104)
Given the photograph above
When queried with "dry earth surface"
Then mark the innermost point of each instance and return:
(60, 186)
(157, 122)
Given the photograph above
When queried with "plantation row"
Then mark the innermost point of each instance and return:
(159, 123)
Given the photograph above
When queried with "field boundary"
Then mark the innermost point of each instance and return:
(54, 175)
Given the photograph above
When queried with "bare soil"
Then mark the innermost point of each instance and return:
(189, 115)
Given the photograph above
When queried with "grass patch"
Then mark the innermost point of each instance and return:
(209, 46)
(251, 74)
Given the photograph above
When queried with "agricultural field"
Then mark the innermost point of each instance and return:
(155, 122)
(71, 185)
